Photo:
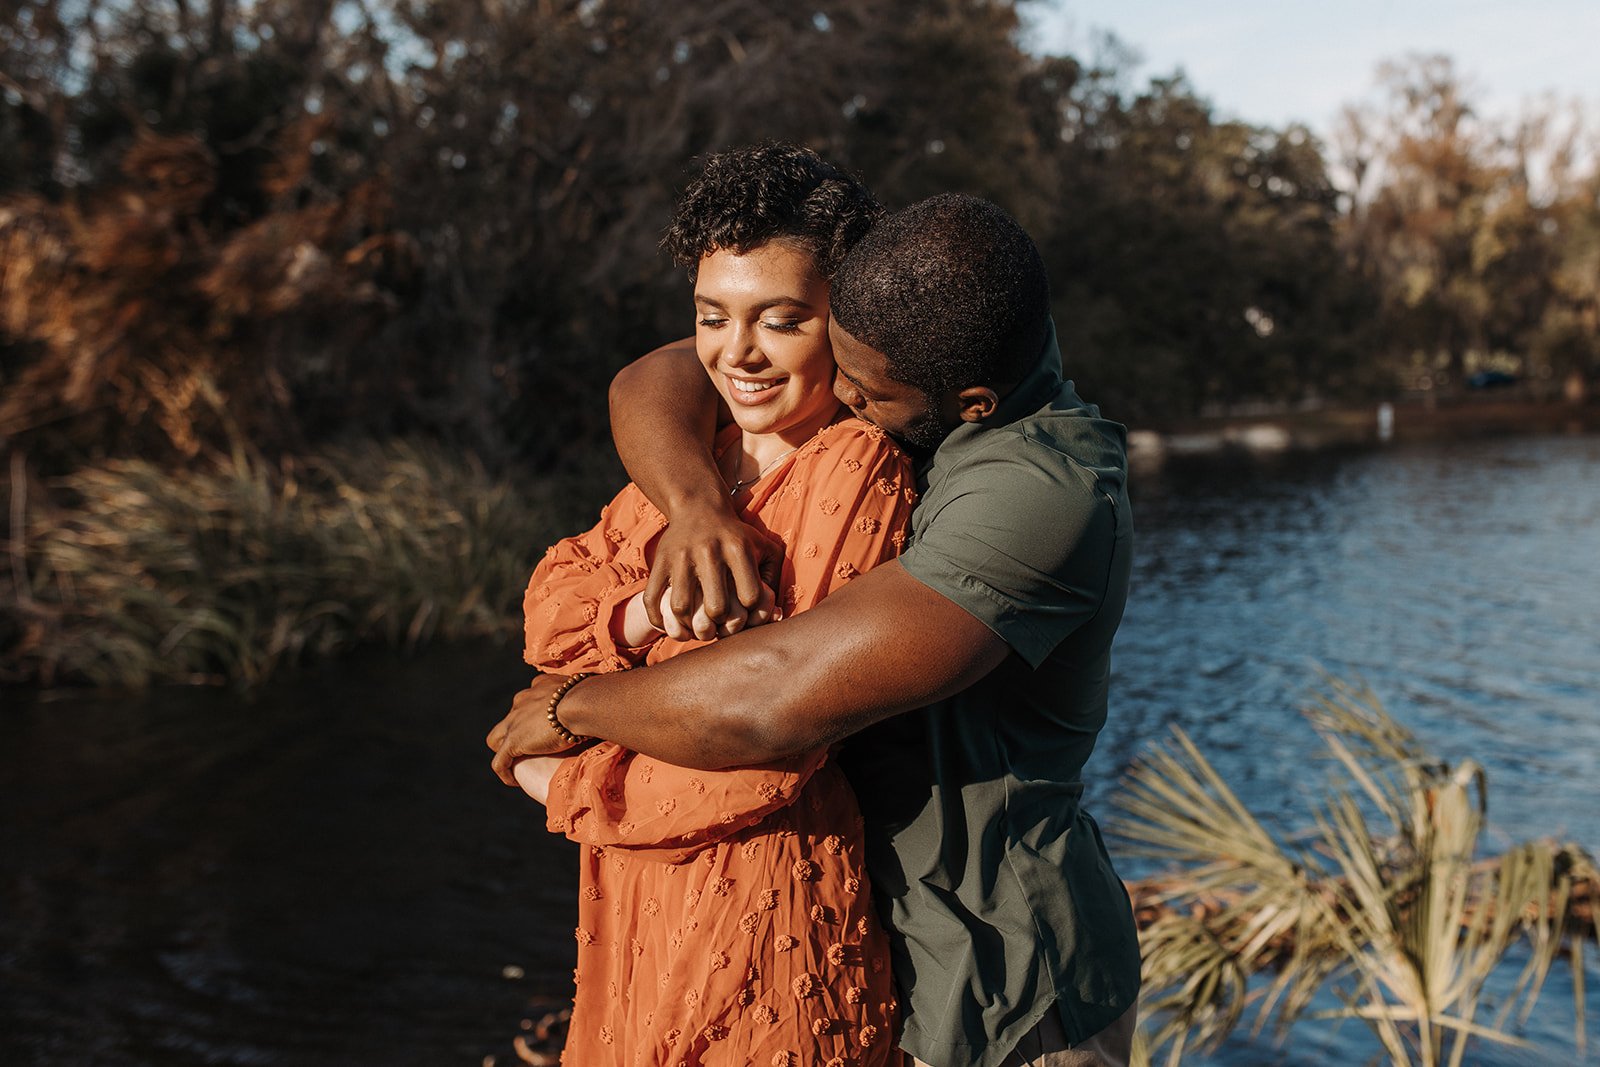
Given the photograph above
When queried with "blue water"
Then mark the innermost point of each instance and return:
(325, 874)
(1461, 581)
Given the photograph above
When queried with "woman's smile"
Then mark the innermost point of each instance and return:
(762, 335)
(753, 391)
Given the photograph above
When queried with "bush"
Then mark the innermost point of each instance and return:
(131, 573)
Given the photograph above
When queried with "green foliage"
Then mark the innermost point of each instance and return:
(500, 174)
(1396, 918)
(133, 573)
(1196, 262)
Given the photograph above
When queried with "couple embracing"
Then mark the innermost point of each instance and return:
(869, 571)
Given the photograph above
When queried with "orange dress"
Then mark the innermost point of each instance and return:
(724, 917)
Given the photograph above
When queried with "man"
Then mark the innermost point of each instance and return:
(974, 668)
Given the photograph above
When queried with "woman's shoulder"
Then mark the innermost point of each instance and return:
(855, 439)
(844, 459)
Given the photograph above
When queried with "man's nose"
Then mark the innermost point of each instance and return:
(847, 393)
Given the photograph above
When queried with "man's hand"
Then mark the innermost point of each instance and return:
(703, 553)
(664, 415)
(525, 731)
(701, 627)
(883, 644)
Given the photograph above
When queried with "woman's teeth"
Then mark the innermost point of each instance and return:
(751, 387)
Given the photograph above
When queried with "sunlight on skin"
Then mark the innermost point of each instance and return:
(534, 773)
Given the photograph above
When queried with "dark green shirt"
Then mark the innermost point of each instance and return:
(994, 882)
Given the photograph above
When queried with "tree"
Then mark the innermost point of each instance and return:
(1195, 262)
(525, 156)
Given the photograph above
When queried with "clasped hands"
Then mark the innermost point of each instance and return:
(712, 576)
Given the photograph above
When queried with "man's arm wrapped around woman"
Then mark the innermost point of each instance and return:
(842, 506)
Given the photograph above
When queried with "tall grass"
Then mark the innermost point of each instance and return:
(130, 573)
(1385, 905)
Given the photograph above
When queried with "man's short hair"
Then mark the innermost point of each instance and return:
(952, 292)
(746, 197)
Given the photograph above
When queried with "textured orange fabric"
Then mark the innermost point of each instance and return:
(724, 917)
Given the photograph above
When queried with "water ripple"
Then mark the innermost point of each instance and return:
(1461, 581)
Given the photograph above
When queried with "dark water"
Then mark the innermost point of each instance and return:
(326, 873)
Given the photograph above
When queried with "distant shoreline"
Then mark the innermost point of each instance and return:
(1305, 431)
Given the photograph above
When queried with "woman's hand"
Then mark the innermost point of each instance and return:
(709, 561)
(701, 626)
(533, 774)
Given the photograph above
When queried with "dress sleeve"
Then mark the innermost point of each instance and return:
(611, 796)
(581, 584)
(842, 511)
(849, 515)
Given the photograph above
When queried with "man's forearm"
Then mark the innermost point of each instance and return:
(664, 414)
(880, 646)
(663, 419)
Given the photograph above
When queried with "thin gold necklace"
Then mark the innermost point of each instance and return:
(745, 483)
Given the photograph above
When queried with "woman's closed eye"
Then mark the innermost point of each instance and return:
(714, 322)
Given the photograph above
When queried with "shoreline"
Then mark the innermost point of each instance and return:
(1327, 428)
(231, 574)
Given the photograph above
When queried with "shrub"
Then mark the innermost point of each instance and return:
(131, 573)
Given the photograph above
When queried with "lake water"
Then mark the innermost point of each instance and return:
(324, 873)
(1461, 581)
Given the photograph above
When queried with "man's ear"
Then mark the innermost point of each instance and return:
(976, 403)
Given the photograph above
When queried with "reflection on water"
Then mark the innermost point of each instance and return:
(1461, 580)
(327, 874)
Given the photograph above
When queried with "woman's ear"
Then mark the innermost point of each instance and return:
(976, 403)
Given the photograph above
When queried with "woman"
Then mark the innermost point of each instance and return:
(725, 917)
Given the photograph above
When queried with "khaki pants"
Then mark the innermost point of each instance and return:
(1046, 1046)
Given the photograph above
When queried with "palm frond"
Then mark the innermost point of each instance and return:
(1404, 926)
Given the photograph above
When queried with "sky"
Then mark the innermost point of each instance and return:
(1272, 62)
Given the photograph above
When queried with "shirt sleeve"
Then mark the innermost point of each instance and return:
(1023, 540)
(850, 512)
(581, 584)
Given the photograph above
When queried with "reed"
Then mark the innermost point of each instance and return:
(1385, 904)
(129, 573)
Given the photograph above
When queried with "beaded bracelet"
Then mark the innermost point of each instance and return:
(550, 712)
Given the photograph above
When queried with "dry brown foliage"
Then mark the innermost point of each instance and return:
(153, 327)
(1385, 906)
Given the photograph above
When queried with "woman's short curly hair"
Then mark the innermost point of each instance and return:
(745, 197)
